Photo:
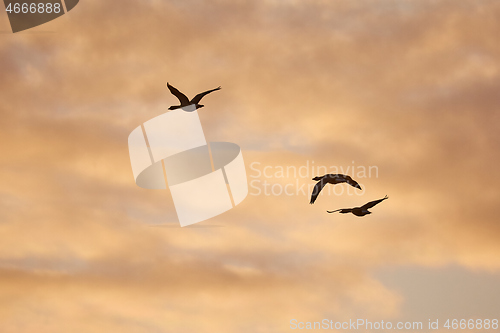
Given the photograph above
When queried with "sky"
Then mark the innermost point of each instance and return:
(407, 87)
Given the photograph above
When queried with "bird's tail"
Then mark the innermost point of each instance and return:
(333, 211)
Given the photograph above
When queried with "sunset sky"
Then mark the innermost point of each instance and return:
(409, 87)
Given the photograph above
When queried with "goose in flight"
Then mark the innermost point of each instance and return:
(331, 179)
(359, 211)
(186, 104)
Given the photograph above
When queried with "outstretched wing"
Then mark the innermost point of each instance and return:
(353, 183)
(196, 99)
(182, 98)
(317, 188)
(373, 203)
(342, 210)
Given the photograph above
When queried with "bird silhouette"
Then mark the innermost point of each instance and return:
(359, 211)
(186, 104)
(331, 179)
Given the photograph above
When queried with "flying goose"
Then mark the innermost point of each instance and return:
(359, 211)
(186, 104)
(331, 179)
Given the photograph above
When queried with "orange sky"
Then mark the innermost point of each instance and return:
(410, 87)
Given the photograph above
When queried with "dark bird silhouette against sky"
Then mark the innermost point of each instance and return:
(331, 179)
(359, 211)
(185, 101)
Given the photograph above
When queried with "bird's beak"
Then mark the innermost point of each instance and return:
(358, 186)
